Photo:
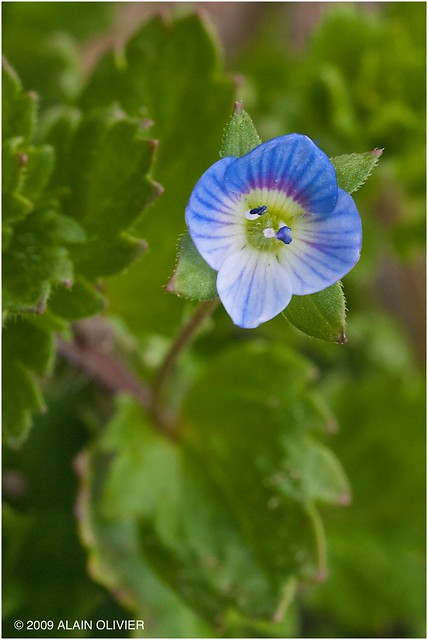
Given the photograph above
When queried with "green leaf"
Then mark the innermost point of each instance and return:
(315, 474)
(43, 559)
(29, 344)
(158, 527)
(13, 160)
(352, 170)
(37, 258)
(78, 301)
(28, 351)
(20, 385)
(110, 186)
(107, 256)
(240, 135)
(57, 128)
(193, 278)
(38, 164)
(81, 22)
(27, 172)
(182, 88)
(54, 72)
(320, 315)
(172, 513)
(19, 108)
(266, 391)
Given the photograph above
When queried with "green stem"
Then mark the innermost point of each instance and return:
(163, 417)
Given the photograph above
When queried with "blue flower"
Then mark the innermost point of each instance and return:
(273, 223)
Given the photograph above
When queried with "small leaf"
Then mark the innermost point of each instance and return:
(320, 315)
(352, 170)
(240, 135)
(193, 278)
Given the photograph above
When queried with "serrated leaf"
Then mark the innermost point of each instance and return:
(27, 170)
(108, 149)
(171, 59)
(240, 135)
(169, 527)
(193, 278)
(352, 170)
(36, 258)
(320, 315)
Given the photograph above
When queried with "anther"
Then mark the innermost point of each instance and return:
(259, 211)
(284, 234)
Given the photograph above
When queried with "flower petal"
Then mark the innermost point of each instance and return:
(324, 248)
(253, 287)
(292, 164)
(214, 215)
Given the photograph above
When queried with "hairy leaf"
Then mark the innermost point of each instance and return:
(320, 315)
(193, 278)
(352, 170)
(240, 135)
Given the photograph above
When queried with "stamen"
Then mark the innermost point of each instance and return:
(284, 234)
(259, 210)
(253, 214)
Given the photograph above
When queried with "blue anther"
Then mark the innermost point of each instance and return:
(284, 234)
(259, 211)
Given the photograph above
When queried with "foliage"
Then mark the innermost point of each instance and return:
(216, 497)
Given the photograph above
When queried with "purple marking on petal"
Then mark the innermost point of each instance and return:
(292, 164)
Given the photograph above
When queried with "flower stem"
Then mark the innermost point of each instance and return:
(162, 416)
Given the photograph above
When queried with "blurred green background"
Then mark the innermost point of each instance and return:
(352, 77)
